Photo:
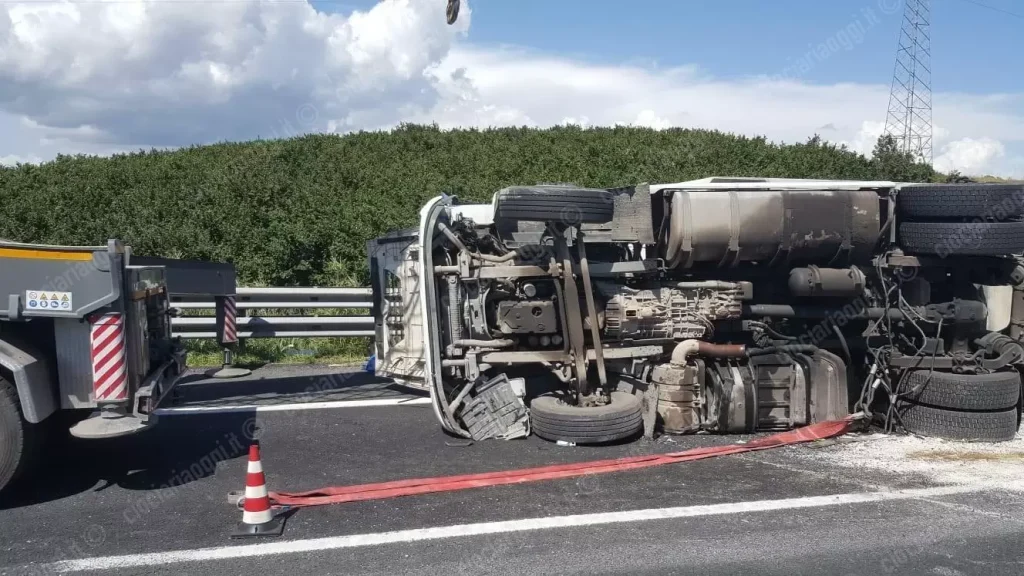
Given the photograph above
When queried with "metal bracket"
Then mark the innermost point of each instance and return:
(574, 315)
(595, 331)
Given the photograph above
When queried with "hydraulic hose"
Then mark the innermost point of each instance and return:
(783, 349)
(788, 311)
(688, 348)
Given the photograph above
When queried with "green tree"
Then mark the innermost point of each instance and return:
(893, 164)
(300, 211)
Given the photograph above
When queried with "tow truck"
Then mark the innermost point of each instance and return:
(86, 330)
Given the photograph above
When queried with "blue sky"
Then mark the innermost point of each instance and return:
(975, 49)
(93, 77)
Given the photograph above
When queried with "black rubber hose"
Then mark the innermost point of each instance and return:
(773, 332)
(883, 231)
(783, 349)
(843, 344)
(787, 311)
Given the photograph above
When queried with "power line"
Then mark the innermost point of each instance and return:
(994, 8)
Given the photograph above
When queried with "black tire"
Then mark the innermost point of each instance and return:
(962, 238)
(554, 420)
(989, 201)
(18, 438)
(993, 426)
(994, 391)
(1020, 404)
(562, 204)
(452, 11)
(1020, 408)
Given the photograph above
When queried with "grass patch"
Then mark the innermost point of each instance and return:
(257, 352)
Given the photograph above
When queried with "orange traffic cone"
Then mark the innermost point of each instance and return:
(257, 518)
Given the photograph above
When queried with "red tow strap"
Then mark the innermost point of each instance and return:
(394, 489)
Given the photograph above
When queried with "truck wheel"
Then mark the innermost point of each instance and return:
(1020, 408)
(18, 438)
(994, 391)
(995, 201)
(962, 238)
(452, 11)
(990, 426)
(1020, 405)
(555, 420)
(563, 204)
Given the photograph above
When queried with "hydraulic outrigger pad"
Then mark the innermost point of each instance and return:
(109, 421)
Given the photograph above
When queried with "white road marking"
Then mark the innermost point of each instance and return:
(186, 410)
(484, 528)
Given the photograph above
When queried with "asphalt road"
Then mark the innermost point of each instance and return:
(157, 503)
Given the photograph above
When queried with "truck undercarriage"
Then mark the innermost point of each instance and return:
(719, 305)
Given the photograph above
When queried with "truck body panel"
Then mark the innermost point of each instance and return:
(75, 281)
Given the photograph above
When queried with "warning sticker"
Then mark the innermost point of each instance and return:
(39, 300)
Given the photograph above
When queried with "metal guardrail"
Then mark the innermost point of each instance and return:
(292, 298)
(280, 298)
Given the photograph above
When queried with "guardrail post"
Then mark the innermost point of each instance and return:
(227, 336)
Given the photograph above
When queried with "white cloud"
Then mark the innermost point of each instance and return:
(969, 155)
(12, 160)
(550, 90)
(582, 121)
(101, 77)
(864, 141)
(649, 119)
(171, 72)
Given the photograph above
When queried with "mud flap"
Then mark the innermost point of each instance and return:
(496, 411)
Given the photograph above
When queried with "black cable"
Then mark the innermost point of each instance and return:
(931, 369)
(773, 332)
(885, 290)
(869, 388)
(994, 9)
(861, 406)
(882, 232)
(843, 344)
(900, 302)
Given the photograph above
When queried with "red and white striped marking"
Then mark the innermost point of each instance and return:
(109, 361)
(257, 503)
(230, 335)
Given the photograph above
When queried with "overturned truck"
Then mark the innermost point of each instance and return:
(725, 305)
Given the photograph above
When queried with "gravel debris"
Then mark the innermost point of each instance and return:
(941, 461)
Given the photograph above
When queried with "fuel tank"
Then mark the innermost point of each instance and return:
(773, 227)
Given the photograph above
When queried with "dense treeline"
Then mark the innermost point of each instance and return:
(300, 211)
